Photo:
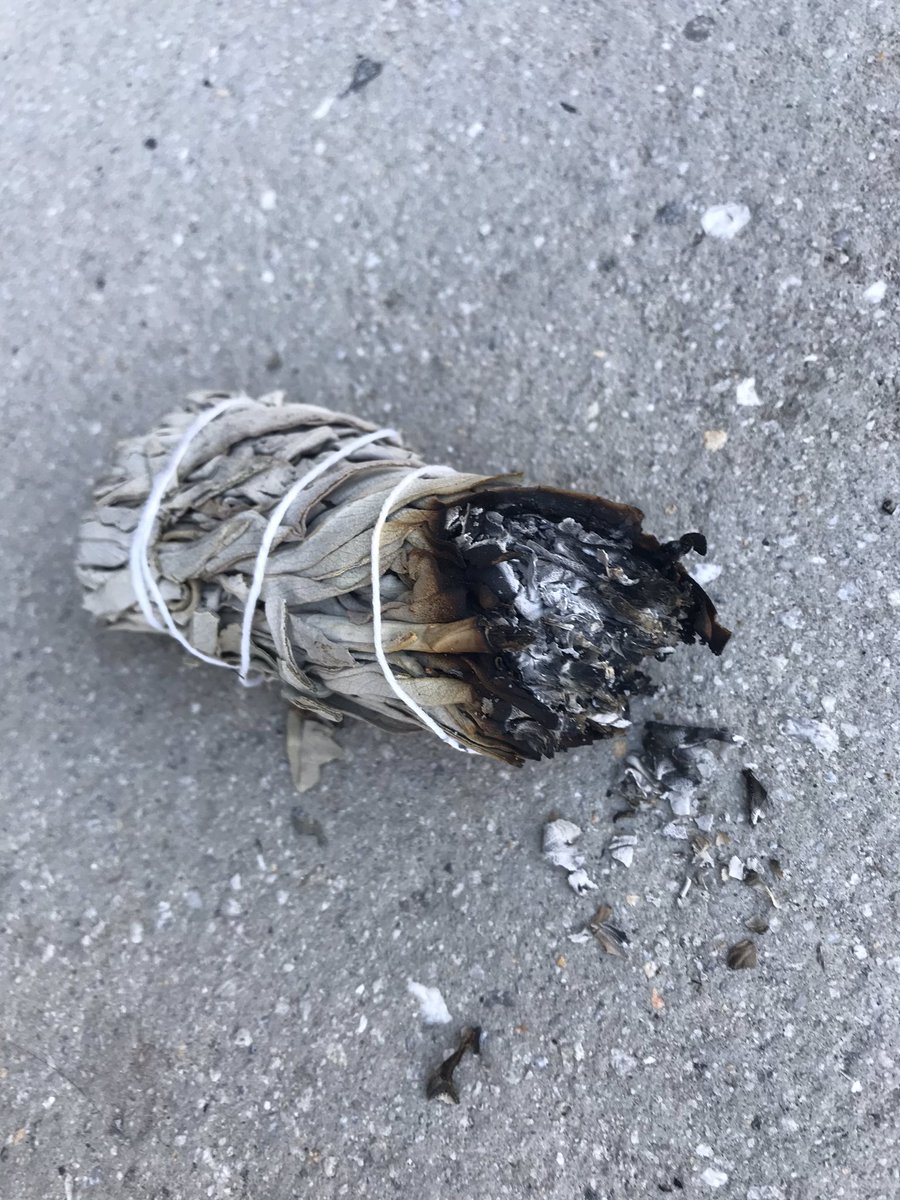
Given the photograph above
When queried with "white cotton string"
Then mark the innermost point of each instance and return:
(143, 584)
(377, 635)
(147, 590)
(274, 525)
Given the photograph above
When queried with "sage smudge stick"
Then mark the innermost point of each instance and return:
(516, 617)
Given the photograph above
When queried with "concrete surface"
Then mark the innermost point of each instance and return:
(196, 999)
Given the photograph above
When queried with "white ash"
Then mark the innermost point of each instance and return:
(817, 733)
(680, 833)
(432, 1009)
(725, 220)
(681, 798)
(704, 572)
(559, 849)
(581, 883)
(558, 844)
(792, 618)
(735, 868)
(714, 1178)
(622, 1063)
(621, 848)
(580, 936)
(746, 393)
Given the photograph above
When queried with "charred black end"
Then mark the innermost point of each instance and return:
(572, 596)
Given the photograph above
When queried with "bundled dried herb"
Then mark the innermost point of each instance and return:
(519, 617)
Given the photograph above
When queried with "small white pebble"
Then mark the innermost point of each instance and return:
(476, 129)
(704, 1150)
(874, 294)
(267, 200)
(856, 1087)
(136, 933)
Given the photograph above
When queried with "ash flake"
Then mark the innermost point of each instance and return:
(817, 733)
(725, 221)
(432, 1008)
(746, 393)
(714, 1178)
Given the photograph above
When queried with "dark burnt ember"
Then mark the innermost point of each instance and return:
(572, 596)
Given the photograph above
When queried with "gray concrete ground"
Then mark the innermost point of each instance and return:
(497, 243)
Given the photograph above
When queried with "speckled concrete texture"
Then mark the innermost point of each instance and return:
(498, 242)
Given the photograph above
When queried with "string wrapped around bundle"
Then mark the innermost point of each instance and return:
(288, 542)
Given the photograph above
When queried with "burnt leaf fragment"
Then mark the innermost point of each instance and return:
(670, 213)
(440, 1084)
(364, 72)
(667, 757)
(753, 879)
(757, 924)
(612, 940)
(306, 826)
(699, 29)
(756, 795)
(742, 955)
